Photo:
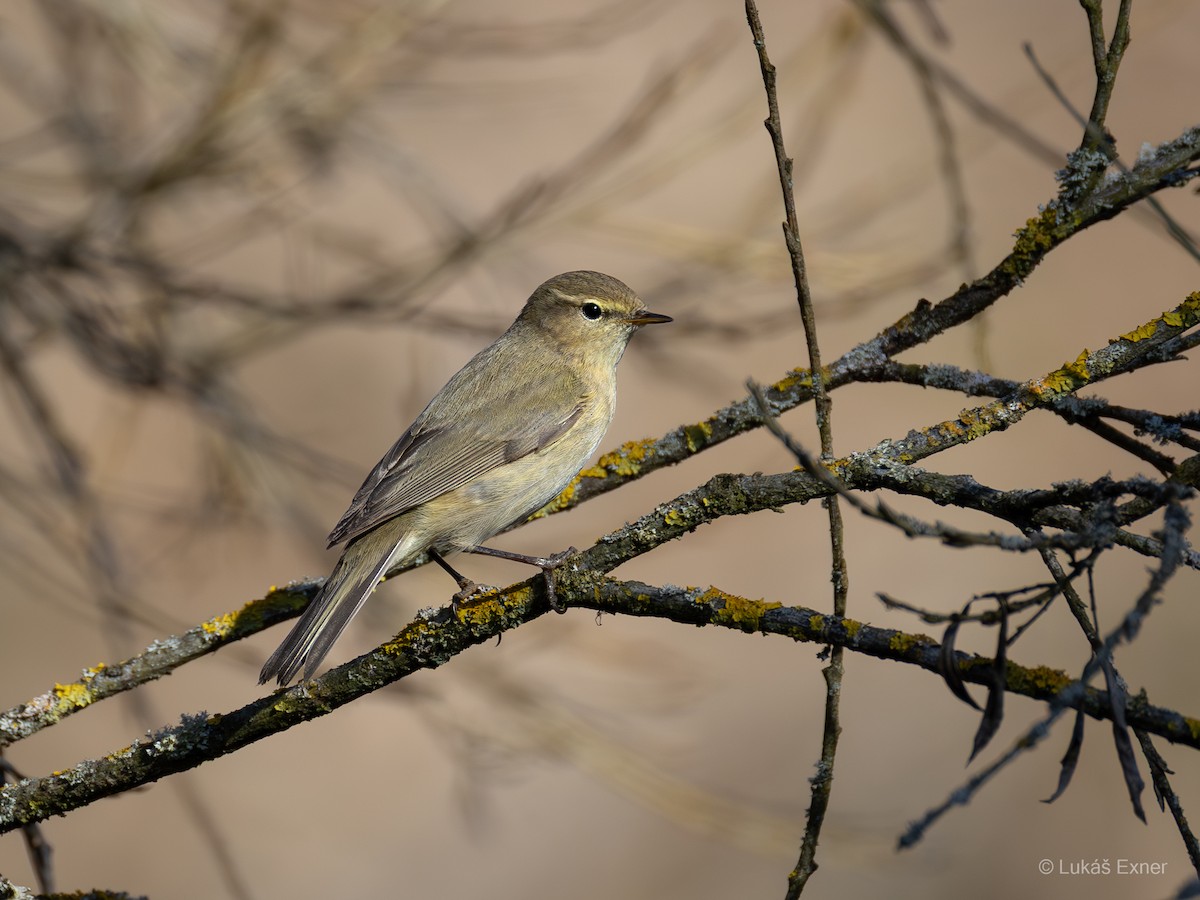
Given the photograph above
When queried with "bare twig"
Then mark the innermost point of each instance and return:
(822, 782)
(1106, 63)
(1159, 772)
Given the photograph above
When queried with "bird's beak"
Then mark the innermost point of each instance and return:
(645, 317)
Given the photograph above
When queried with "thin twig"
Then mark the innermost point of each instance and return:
(1106, 63)
(1087, 412)
(1159, 772)
(822, 782)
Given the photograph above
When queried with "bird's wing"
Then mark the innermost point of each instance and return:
(472, 426)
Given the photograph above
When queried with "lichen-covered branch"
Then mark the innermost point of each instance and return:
(159, 659)
(435, 637)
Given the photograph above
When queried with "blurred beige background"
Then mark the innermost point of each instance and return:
(577, 758)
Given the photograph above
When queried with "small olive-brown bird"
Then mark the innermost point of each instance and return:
(505, 435)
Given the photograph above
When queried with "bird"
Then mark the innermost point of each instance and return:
(505, 435)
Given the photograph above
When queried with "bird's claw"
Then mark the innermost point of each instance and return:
(549, 564)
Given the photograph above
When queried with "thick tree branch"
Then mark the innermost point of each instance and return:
(435, 637)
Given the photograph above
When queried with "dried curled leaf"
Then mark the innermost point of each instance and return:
(1070, 759)
(1124, 744)
(948, 665)
(993, 711)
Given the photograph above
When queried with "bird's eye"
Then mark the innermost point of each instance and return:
(591, 311)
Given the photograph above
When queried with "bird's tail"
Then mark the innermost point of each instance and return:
(364, 562)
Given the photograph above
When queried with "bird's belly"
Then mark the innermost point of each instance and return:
(485, 506)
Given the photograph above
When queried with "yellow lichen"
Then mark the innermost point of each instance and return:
(1069, 377)
(1079, 368)
(1041, 679)
(483, 610)
(74, 695)
(902, 642)
(627, 459)
(1142, 331)
(673, 518)
(972, 424)
(734, 610)
(1183, 316)
(400, 644)
(697, 435)
(793, 379)
(222, 625)
(1032, 243)
(1193, 726)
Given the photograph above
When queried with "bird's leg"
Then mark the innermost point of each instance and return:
(546, 563)
(466, 587)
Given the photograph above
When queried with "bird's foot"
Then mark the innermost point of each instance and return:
(548, 565)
